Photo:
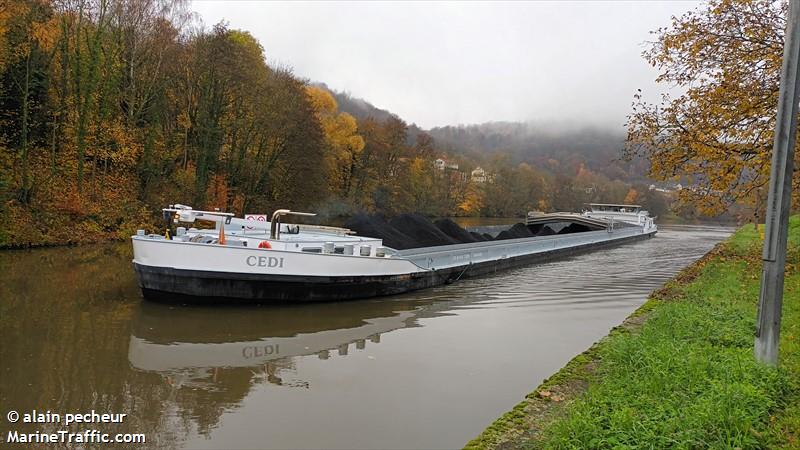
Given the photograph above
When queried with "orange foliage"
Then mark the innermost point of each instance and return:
(716, 137)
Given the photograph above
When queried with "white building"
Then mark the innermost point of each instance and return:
(478, 175)
(441, 164)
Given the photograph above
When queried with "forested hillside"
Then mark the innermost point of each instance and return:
(111, 109)
(556, 148)
(574, 163)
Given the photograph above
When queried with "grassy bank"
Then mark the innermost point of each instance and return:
(678, 373)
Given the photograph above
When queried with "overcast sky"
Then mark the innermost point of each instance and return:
(456, 63)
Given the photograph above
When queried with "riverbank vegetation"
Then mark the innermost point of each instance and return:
(680, 372)
(111, 109)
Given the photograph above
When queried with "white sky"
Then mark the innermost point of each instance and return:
(453, 63)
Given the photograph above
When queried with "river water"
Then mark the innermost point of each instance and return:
(428, 369)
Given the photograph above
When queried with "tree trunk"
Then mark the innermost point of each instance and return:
(26, 176)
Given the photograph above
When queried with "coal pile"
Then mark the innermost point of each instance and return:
(414, 231)
(541, 230)
(574, 228)
(480, 237)
(518, 230)
(421, 230)
(404, 231)
(376, 227)
(452, 229)
(546, 231)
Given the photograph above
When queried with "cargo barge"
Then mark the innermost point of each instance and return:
(262, 261)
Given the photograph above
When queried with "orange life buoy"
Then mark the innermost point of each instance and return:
(264, 244)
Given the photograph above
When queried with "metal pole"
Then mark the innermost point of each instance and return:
(768, 327)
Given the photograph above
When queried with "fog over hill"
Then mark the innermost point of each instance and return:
(357, 107)
(558, 147)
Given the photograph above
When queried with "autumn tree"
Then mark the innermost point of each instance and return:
(473, 201)
(375, 175)
(717, 135)
(294, 155)
(342, 138)
(565, 196)
(27, 37)
(512, 191)
(417, 187)
(632, 197)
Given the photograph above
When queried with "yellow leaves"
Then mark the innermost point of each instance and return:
(183, 120)
(323, 102)
(347, 122)
(245, 40)
(632, 197)
(472, 203)
(417, 166)
(542, 205)
(341, 135)
(46, 33)
(356, 144)
(10, 9)
(717, 136)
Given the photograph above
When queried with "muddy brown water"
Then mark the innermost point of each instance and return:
(430, 369)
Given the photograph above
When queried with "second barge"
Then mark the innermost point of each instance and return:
(250, 261)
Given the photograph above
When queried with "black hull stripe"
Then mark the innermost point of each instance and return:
(194, 286)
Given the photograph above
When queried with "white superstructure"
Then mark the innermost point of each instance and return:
(632, 214)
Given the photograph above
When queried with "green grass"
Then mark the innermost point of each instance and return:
(685, 378)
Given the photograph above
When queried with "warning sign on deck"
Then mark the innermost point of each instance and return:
(255, 217)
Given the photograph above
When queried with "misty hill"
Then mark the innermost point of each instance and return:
(357, 107)
(556, 147)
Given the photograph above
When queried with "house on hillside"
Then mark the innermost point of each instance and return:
(666, 189)
(478, 175)
(441, 164)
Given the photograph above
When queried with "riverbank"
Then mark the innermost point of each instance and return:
(71, 224)
(679, 372)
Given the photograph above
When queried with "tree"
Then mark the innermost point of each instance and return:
(565, 196)
(341, 135)
(655, 202)
(27, 42)
(717, 136)
(511, 191)
(376, 174)
(632, 197)
(417, 187)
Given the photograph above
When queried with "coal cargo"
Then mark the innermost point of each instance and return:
(421, 230)
(452, 229)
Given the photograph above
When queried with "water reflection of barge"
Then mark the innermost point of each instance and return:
(241, 260)
(198, 343)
